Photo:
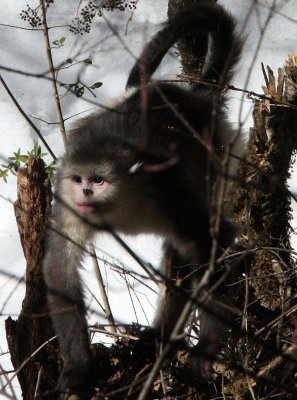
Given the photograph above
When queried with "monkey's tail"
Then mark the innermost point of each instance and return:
(224, 47)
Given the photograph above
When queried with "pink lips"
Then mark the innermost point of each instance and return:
(86, 208)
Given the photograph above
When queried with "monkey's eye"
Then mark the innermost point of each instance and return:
(77, 179)
(98, 179)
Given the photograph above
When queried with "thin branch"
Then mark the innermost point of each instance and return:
(256, 52)
(107, 308)
(268, 7)
(34, 127)
(38, 382)
(52, 72)
(268, 369)
(30, 358)
(8, 384)
(114, 334)
(20, 27)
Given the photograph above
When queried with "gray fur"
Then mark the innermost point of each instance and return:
(158, 154)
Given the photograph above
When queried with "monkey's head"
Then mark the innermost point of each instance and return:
(88, 188)
(108, 192)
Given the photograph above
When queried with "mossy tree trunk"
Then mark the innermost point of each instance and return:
(259, 361)
(260, 202)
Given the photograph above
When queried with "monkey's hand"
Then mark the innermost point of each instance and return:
(77, 378)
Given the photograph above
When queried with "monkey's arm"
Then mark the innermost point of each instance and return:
(65, 297)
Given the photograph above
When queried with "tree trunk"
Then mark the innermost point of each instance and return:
(33, 327)
(260, 202)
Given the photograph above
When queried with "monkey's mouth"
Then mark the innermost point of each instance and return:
(86, 208)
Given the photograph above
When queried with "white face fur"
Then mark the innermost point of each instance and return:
(84, 187)
(125, 202)
(88, 191)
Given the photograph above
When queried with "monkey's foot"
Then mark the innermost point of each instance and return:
(77, 378)
(201, 358)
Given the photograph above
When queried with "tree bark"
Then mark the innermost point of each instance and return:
(260, 203)
(33, 327)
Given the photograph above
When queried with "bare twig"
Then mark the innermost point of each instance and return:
(52, 72)
(107, 308)
(30, 358)
(114, 334)
(34, 127)
(268, 369)
(38, 382)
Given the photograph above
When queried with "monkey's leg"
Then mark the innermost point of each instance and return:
(65, 297)
(215, 315)
(171, 302)
(185, 264)
(178, 274)
(215, 322)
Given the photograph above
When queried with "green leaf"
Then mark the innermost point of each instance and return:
(4, 175)
(50, 169)
(88, 60)
(18, 159)
(18, 153)
(59, 42)
(79, 91)
(96, 85)
(23, 158)
(36, 149)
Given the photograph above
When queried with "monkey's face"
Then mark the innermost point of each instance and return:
(88, 191)
(104, 192)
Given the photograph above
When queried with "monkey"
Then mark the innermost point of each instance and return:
(146, 166)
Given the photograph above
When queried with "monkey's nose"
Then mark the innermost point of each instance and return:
(88, 192)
